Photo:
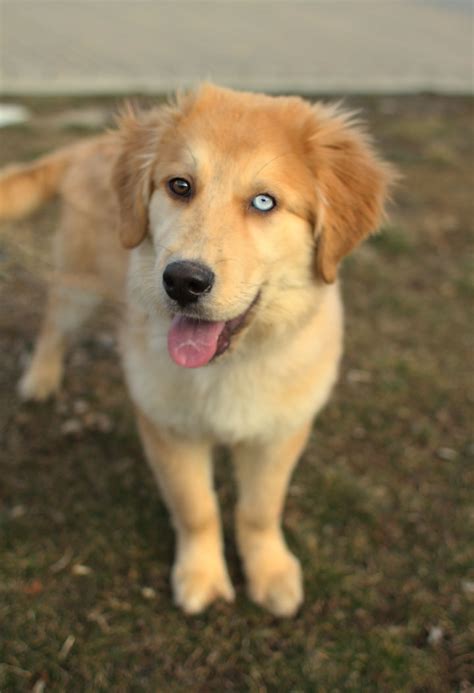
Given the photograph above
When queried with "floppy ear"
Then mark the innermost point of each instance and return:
(352, 185)
(132, 173)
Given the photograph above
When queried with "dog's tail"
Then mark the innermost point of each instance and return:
(25, 187)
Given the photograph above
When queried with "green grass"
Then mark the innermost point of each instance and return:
(380, 509)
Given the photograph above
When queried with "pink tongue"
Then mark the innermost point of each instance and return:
(193, 343)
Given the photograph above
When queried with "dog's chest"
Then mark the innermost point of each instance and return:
(222, 401)
(258, 392)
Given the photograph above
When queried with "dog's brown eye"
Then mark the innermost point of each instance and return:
(180, 187)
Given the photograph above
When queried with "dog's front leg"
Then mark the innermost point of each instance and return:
(263, 472)
(183, 470)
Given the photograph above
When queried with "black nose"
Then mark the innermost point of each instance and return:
(186, 282)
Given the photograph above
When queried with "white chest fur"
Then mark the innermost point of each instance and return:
(261, 391)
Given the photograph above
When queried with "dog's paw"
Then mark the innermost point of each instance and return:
(275, 582)
(194, 588)
(38, 384)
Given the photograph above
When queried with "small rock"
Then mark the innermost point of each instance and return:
(39, 686)
(148, 593)
(13, 114)
(71, 427)
(17, 511)
(447, 454)
(468, 586)
(80, 407)
(66, 648)
(435, 635)
(80, 569)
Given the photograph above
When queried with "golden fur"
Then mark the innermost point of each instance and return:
(261, 395)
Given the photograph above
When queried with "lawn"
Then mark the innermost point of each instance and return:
(381, 508)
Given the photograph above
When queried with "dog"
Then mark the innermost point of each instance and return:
(233, 211)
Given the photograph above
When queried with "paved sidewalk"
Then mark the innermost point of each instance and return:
(108, 46)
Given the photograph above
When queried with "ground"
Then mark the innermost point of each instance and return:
(380, 509)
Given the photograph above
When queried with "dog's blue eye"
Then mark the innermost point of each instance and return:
(264, 203)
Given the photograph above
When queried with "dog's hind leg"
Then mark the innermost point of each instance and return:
(67, 309)
(73, 295)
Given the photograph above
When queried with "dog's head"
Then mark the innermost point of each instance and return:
(241, 207)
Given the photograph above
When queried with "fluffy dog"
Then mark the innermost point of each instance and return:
(233, 212)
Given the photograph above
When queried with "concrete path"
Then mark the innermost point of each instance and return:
(106, 46)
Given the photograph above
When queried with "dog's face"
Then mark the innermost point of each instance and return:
(241, 206)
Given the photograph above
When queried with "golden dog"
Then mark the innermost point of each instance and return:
(233, 211)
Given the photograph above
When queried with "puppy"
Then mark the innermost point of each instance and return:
(219, 221)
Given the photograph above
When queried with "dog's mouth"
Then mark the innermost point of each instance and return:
(193, 343)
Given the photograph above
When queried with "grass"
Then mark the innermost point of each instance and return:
(380, 509)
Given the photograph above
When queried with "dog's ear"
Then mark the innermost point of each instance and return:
(352, 184)
(137, 137)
